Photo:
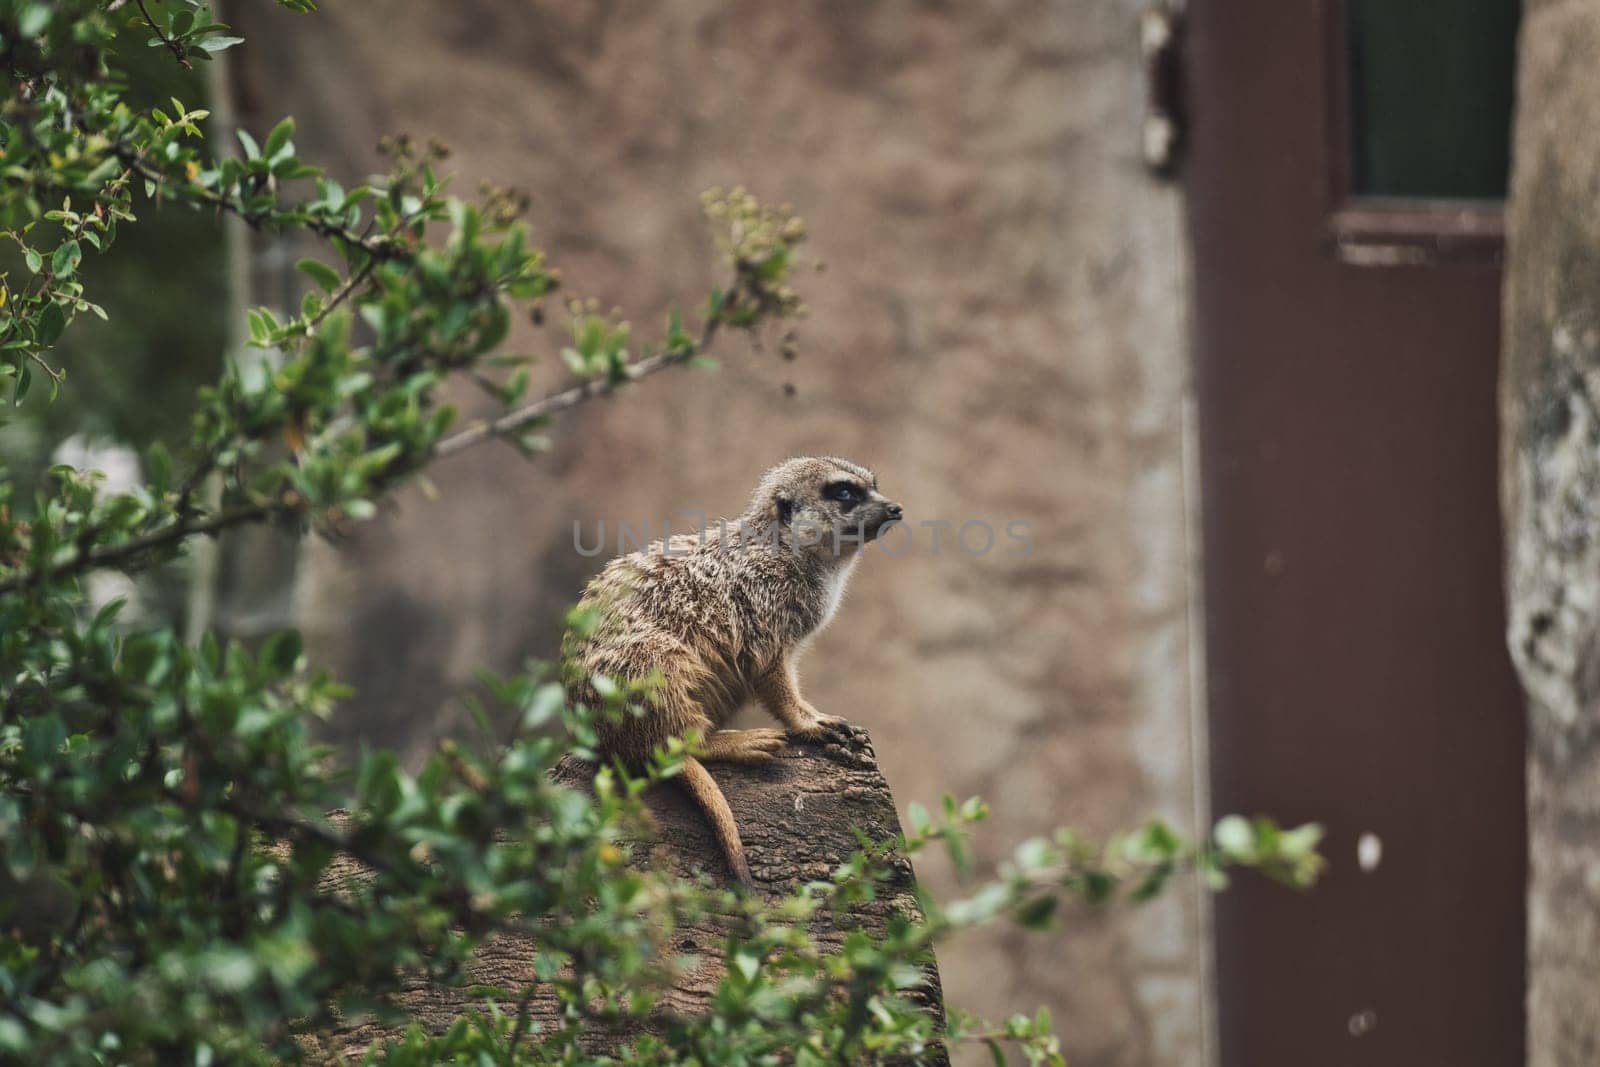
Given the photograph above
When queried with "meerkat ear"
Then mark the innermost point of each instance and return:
(785, 508)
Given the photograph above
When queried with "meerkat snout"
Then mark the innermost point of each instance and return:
(883, 517)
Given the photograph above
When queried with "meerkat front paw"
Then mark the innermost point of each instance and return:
(817, 725)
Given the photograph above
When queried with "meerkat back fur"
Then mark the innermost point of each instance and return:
(719, 617)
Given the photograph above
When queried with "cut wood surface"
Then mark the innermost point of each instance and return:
(797, 815)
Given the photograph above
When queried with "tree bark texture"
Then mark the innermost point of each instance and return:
(796, 816)
(1550, 457)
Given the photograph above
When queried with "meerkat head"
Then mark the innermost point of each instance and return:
(823, 504)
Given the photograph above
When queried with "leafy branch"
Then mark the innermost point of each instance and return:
(437, 308)
(154, 541)
(677, 350)
(178, 51)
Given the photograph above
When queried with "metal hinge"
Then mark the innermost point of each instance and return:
(1161, 47)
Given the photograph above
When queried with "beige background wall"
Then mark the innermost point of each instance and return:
(999, 333)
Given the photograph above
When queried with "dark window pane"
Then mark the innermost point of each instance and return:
(1430, 97)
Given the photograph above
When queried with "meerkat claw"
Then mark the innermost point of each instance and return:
(820, 727)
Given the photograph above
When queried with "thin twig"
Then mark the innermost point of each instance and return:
(135, 546)
(510, 423)
(379, 248)
(177, 49)
(57, 376)
(340, 294)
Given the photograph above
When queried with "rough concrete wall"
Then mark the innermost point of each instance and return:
(1550, 404)
(999, 334)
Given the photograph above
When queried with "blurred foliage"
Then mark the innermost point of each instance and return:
(165, 293)
(165, 842)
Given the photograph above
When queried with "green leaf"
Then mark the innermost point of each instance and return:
(1098, 886)
(575, 362)
(1034, 854)
(1157, 839)
(66, 259)
(1301, 841)
(228, 968)
(547, 702)
(748, 964)
(1037, 912)
(495, 330)
(52, 320)
(278, 138)
(281, 654)
(1234, 836)
(220, 43)
(378, 781)
(13, 1037)
(320, 273)
(33, 20)
(1152, 885)
(42, 738)
(159, 461)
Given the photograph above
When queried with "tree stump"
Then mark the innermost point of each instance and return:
(796, 814)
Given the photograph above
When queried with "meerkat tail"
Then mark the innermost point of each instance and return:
(708, 795)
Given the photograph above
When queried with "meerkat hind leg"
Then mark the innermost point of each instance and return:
(743, 746)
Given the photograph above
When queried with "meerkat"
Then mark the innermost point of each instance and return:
(720, 616)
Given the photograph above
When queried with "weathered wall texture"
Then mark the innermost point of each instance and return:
(999, 333)
(1550, 404)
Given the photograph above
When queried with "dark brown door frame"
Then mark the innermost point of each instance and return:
(1357, 673)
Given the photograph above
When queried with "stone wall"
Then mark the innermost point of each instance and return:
(999, 333)
(1550, 445)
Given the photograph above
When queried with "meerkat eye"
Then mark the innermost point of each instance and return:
(843, 492)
